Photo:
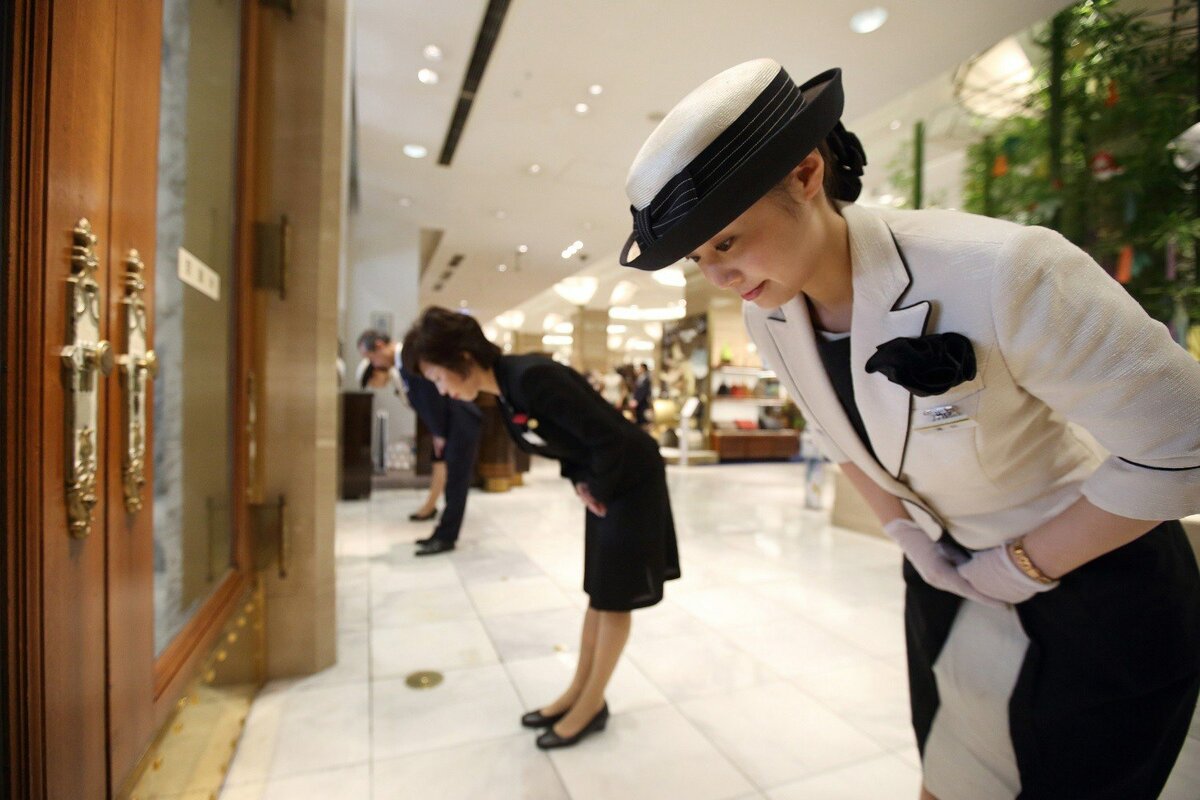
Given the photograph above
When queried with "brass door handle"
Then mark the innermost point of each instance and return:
(84, 355)
(139, 365)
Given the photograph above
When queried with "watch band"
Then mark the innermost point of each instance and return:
(1016, 551)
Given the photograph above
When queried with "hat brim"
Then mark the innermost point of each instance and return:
(742, 188)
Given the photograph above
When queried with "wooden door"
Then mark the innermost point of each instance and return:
(88, 684)
(60, 148)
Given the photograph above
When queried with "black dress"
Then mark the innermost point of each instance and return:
(551, 410)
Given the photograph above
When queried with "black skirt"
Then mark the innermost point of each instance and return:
(631, 551)
(1107, 670)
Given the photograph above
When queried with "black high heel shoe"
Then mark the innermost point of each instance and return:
(536, 719)
(550, 740)
(415, 517)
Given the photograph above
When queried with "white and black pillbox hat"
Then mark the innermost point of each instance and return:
(723, 147)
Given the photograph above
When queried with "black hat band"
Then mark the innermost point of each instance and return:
(776, 105)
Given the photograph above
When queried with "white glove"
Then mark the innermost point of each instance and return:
(993, 573)
(931, 562)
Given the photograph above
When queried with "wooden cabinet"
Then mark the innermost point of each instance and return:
(756, 445)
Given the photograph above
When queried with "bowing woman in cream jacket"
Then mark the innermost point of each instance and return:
(1025, 432)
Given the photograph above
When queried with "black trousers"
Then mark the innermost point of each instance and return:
(462, 447)
(1110, 677)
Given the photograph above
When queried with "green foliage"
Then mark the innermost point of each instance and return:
(1129, 87)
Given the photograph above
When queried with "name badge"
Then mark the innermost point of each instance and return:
(533, 439)
(942, 418)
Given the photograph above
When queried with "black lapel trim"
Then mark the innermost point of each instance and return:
(924, 325)
(1159, 469)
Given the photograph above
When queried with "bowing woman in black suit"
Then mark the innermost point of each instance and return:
(630, 549)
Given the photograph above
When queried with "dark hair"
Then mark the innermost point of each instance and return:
(829, 182)
(371, 338)
(448, 339)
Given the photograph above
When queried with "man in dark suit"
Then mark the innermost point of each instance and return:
(642, 392)
(455, 426)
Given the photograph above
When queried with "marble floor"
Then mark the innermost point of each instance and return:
(773, 669)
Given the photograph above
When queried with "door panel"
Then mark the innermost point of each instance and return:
(130, 302)
(78, 153)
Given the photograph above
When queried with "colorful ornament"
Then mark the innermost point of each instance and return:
(1000, 166)
(1113, 96)
(1104, 166)
(1180, 323)
(1131, 208)
(1124, 272)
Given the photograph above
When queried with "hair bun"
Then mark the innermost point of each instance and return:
(851, 158)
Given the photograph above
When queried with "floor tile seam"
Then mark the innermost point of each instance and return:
(718, 749)
(831, 770)
(319, 770)
(489, 739)
(840, 715)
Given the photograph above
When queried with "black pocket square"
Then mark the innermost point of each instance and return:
(925, 365)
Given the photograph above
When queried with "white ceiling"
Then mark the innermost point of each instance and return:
(646, 55)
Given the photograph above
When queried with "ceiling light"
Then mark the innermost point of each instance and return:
(595, 88)
(564, 327)
(556, 339)
(614, 342)
(654, 329)
(577, 244)
(415, 151)
(574, 248)
(432, 52)
(534, 169)
(427, 76)
(550, 320)
(895, 125)
(501, 214)
(671, 276)
(997, 83)
(502, 268)
(868, 20)
(406, 201)
(644, 345)
(614, 329)
(581, 108)
(462, 303)
(577, 289)
(522, 248)
(622, 293)
(511, 320)
(633, 313)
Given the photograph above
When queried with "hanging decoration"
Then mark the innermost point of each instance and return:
(1124, 273)
(1104, 166)
(1180, 323)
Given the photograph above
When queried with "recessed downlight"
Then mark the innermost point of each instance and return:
(415, 151)
(895, 125)
(869, 20)
(595, 89)
(534, 169)
(432, 52)
(522, 248)
(502, 268)
(582, 108)
(427, 76)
